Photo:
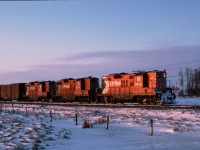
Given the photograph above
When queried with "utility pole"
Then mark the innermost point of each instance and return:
(176, 90)
(169, 83)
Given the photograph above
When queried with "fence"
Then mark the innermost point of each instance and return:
(49, 112)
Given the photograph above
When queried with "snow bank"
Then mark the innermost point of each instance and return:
(188, 101)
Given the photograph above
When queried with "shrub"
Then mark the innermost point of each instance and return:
(86, 124)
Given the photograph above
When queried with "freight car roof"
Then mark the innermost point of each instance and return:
(12, 83)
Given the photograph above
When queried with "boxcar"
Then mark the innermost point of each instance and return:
(14, 91)
(134, 87)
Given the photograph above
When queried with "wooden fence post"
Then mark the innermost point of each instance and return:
(13, 109)
(151, 127)
(51, 116)
(1, 106)
(76, 119)
(26, 112)
(107, 122)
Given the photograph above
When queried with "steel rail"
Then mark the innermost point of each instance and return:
(158, 106)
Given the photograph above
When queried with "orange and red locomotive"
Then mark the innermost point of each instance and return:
(76, 90)
(134, 87)
(39, 91)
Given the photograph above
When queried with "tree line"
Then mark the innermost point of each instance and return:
(189, 81)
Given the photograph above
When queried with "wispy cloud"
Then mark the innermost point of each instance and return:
(102, 63)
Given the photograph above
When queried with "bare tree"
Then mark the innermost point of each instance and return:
(197, 82)
(190, 81)
(181, 81)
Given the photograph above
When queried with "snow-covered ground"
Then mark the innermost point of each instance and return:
(30, 127)
(188, 101)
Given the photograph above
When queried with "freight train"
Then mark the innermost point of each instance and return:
(141, 87)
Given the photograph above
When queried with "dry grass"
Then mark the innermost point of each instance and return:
(100, 121)
(86, 124)
(176, 129)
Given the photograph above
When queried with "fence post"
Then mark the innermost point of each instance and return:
(51, 116)
(12, 109)
(26, 112)
(107, 122)
(1, 106)
(76, 119)
(151, 127)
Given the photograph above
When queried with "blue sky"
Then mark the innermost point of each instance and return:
(50, 40)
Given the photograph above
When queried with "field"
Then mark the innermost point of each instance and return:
(31, 127)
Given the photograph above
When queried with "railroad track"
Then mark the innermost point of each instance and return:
(158, 106)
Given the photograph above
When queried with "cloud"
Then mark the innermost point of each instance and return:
(102, 63)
